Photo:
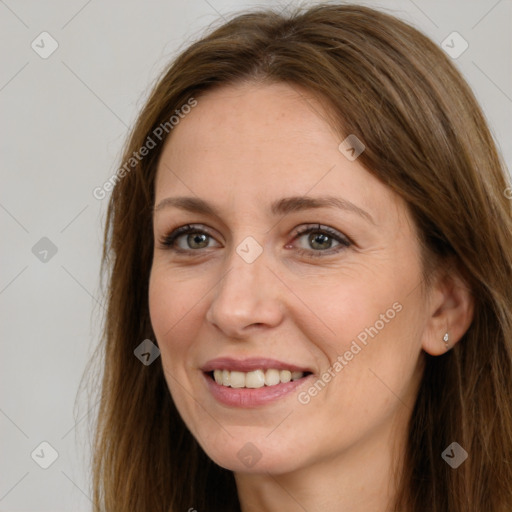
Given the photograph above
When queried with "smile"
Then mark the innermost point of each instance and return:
(255, 379)
(252, 382)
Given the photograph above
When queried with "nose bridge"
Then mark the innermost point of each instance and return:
(247, 294)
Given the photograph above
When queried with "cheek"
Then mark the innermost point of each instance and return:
(374, 371)
(171, 309)
(170, 300)
(350, 310)
(369, 331)
(172, 318)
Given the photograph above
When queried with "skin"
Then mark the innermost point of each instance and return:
(242, 147)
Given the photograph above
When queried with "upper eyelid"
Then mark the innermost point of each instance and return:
(297, 230)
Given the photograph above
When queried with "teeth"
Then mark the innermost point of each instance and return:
(237, 379)
(272, 377)
(285, 376)
(255, 379)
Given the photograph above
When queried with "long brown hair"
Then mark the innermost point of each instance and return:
(428, 140)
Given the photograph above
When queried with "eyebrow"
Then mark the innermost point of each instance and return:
(279, 207)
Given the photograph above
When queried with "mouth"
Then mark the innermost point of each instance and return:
(252, 382)
(255, 379)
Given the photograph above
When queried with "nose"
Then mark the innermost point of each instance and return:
(248, 297)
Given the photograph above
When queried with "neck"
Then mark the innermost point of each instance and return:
(359, 479)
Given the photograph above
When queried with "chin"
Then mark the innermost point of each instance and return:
(254, 456)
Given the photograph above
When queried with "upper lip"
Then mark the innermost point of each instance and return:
(250, 364)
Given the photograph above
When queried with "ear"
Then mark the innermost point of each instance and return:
(450, 309)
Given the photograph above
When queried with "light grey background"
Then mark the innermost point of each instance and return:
(64, 120)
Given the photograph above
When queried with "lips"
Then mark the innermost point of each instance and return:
(249, 365)
(252, 382)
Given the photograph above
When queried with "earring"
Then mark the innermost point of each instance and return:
(446, 339)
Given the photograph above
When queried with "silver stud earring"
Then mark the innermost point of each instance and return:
(446, 339)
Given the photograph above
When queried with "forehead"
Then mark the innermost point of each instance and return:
(252, 121)
(251, 143)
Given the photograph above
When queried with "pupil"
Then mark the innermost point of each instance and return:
(318, 239)
(197, 238)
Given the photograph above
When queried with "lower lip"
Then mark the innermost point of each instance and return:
(248, 397)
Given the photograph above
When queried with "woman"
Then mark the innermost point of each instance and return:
(313, 230)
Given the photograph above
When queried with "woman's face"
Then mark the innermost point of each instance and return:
(250, 295)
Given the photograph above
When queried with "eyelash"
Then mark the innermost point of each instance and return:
(168, 241)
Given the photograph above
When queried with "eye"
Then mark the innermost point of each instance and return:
(320, 239)
(196, 239)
